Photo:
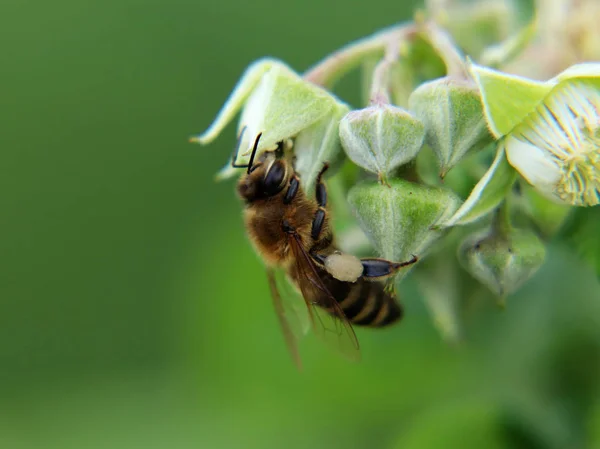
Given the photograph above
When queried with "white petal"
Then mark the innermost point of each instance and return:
(534, 164)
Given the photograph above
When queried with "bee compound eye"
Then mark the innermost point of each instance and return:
(273, 182)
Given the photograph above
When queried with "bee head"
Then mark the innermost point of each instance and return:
(266, 177)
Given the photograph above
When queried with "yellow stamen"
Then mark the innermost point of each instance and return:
(580, 183)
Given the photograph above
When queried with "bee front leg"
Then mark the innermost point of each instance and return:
(321, 196)
(292, 190)
(380, 269)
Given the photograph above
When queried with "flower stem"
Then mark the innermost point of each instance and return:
(386, 43)
(501, 222)
(336, 65)
(445, 47)
(380, 85)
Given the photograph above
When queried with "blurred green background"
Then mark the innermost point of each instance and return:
(133, 312)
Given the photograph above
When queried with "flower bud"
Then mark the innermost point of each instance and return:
(502, 261)
(452, 112)
(401, 220)
(381, 137)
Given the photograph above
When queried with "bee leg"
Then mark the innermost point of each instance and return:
(321, 194)
(290, 194)
(379, 269)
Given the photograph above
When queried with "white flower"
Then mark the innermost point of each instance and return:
(550, 130)
(557, 146)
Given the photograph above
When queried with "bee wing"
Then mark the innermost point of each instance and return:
(287, 314)
(327, 318)
(293, 304)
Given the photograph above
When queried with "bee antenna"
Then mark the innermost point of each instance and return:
(237, 149)
(253, 152)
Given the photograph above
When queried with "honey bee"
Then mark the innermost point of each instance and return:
(293, 233)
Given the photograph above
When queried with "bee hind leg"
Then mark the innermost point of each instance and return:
(380, 269)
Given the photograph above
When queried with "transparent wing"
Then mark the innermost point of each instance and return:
(293, 303)
(327, 318)
(288, 320)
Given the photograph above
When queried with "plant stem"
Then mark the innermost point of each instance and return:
(336, 65)
(386, 43)
(501, 221)
(445, 47)
(380, 85)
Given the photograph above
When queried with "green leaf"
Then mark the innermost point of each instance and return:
(452, 112)
(401, 220)
(488, 193)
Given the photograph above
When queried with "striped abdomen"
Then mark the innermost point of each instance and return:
(365, 303)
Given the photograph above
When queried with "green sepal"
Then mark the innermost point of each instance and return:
(318, 144)
(507, 99)
(491, 189)
(277, 103)
(237, 98)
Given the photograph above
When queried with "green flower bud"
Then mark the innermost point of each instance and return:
(381, 137)
(500, 260)
(452, 112)
(401, 220)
